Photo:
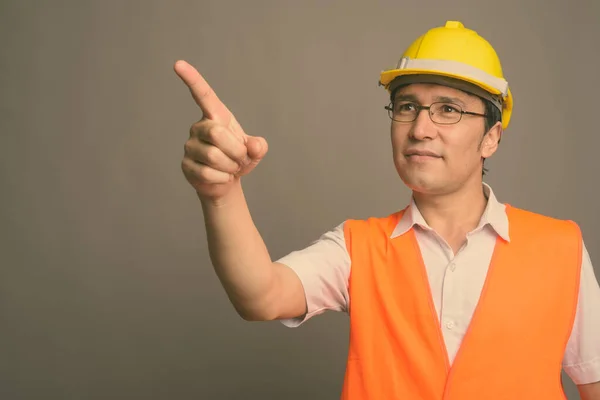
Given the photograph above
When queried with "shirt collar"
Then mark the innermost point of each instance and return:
(494, 215)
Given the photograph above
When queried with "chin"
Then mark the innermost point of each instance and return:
(420, 181)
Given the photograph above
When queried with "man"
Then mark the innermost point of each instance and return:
(457, 296)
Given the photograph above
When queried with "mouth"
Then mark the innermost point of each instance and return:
(421, 155)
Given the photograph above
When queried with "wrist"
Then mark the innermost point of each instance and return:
(231, 198)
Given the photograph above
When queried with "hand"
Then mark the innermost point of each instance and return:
(218, 151)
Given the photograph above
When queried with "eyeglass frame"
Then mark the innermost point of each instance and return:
(428, 108)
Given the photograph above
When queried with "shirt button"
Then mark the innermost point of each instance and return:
(452, 267)
(450, 325)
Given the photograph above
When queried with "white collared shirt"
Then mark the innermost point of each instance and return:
(456, 282)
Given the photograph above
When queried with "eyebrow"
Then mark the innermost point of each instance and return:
(446, 99)
(406, 97)
(443, 99)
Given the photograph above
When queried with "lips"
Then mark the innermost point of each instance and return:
(423, 153)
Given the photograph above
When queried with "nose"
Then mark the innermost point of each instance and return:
(423, 127)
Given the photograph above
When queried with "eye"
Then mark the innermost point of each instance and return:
(405, 107)
(449, 108)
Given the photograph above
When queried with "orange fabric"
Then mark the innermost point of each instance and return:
(514, 346)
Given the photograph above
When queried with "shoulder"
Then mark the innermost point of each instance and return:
(521, 213)
(373, 228)
(381, 222)
(531, 222)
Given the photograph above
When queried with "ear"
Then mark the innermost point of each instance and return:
(491, 140)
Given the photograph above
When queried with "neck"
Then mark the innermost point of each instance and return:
(458, 212)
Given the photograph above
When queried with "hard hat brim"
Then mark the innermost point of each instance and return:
(388, 76)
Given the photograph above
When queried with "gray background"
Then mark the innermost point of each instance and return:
(106, 289)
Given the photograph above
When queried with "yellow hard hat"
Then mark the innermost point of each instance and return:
(453, 53)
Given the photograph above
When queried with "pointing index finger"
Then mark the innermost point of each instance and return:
(201, 91)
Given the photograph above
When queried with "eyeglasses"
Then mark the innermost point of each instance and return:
(440, 113)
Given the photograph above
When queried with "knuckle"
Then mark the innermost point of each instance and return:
(196, 128)
(203, 173)
(188, 147)
(215, 132)
(186, 167)
(213, 154)
(206, 93)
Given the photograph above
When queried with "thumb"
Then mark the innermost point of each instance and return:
(257, 147)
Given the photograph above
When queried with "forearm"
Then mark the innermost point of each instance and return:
(589, 391)
(239, 255)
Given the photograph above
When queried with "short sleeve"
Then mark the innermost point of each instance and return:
(324, 269)
(582, 356)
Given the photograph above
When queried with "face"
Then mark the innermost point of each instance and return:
(440, 159)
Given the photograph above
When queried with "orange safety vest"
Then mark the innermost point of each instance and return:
(514, 345)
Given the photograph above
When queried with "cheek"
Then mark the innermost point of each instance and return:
(464, 154)
(398, 139)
